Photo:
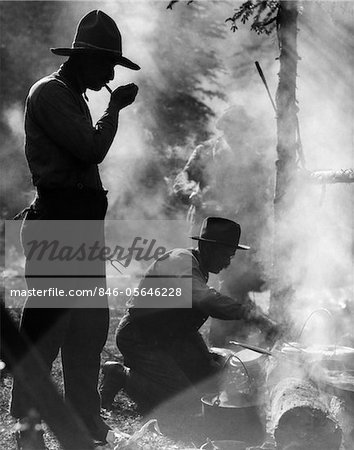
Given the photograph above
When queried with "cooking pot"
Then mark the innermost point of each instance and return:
(243, 371)
(340, 384)
(254, 364)
(331, 357)
(237, 417)
(334, 355)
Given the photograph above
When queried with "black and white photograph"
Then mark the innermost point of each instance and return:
(177, 225)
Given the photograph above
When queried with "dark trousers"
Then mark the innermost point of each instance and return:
(80, 333)
(171, 374)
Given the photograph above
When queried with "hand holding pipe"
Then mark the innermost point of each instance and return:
(123, 95)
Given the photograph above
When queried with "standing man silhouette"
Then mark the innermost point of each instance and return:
(63, 149)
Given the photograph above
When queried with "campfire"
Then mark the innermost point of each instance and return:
(302, 396)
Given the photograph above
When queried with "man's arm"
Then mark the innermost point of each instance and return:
(219, 306)
(59, 114)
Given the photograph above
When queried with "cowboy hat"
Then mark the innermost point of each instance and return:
(97, 32)
(220, 231)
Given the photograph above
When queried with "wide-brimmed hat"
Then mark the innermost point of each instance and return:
(221, 231)
(97, 32)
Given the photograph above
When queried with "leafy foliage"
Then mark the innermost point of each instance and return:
(190, 76)
(263, 12)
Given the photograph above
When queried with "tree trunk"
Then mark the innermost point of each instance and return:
(282, 291)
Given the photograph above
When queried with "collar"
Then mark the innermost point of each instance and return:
(70, 75)
(196, 254)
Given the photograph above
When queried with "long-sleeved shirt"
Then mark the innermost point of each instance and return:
(62, 147)
(177, 315)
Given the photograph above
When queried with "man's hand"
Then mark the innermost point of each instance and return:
(271, 330)
(124, 95)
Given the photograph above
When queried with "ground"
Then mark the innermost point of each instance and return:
(124, 415)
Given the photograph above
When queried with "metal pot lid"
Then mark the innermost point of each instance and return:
(222, 351)
(246, 356)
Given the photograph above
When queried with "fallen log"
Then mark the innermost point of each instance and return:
(301, 418)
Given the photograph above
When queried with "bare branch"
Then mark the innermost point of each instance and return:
(172, 2)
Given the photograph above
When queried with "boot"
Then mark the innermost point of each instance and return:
(114, 379)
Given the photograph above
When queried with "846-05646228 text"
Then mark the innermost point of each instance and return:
(99, 291)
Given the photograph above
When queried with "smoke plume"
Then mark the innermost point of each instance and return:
(138, 174)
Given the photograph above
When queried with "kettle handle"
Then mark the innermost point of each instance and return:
(217, 402)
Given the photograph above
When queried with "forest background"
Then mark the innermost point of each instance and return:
(193, 70)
